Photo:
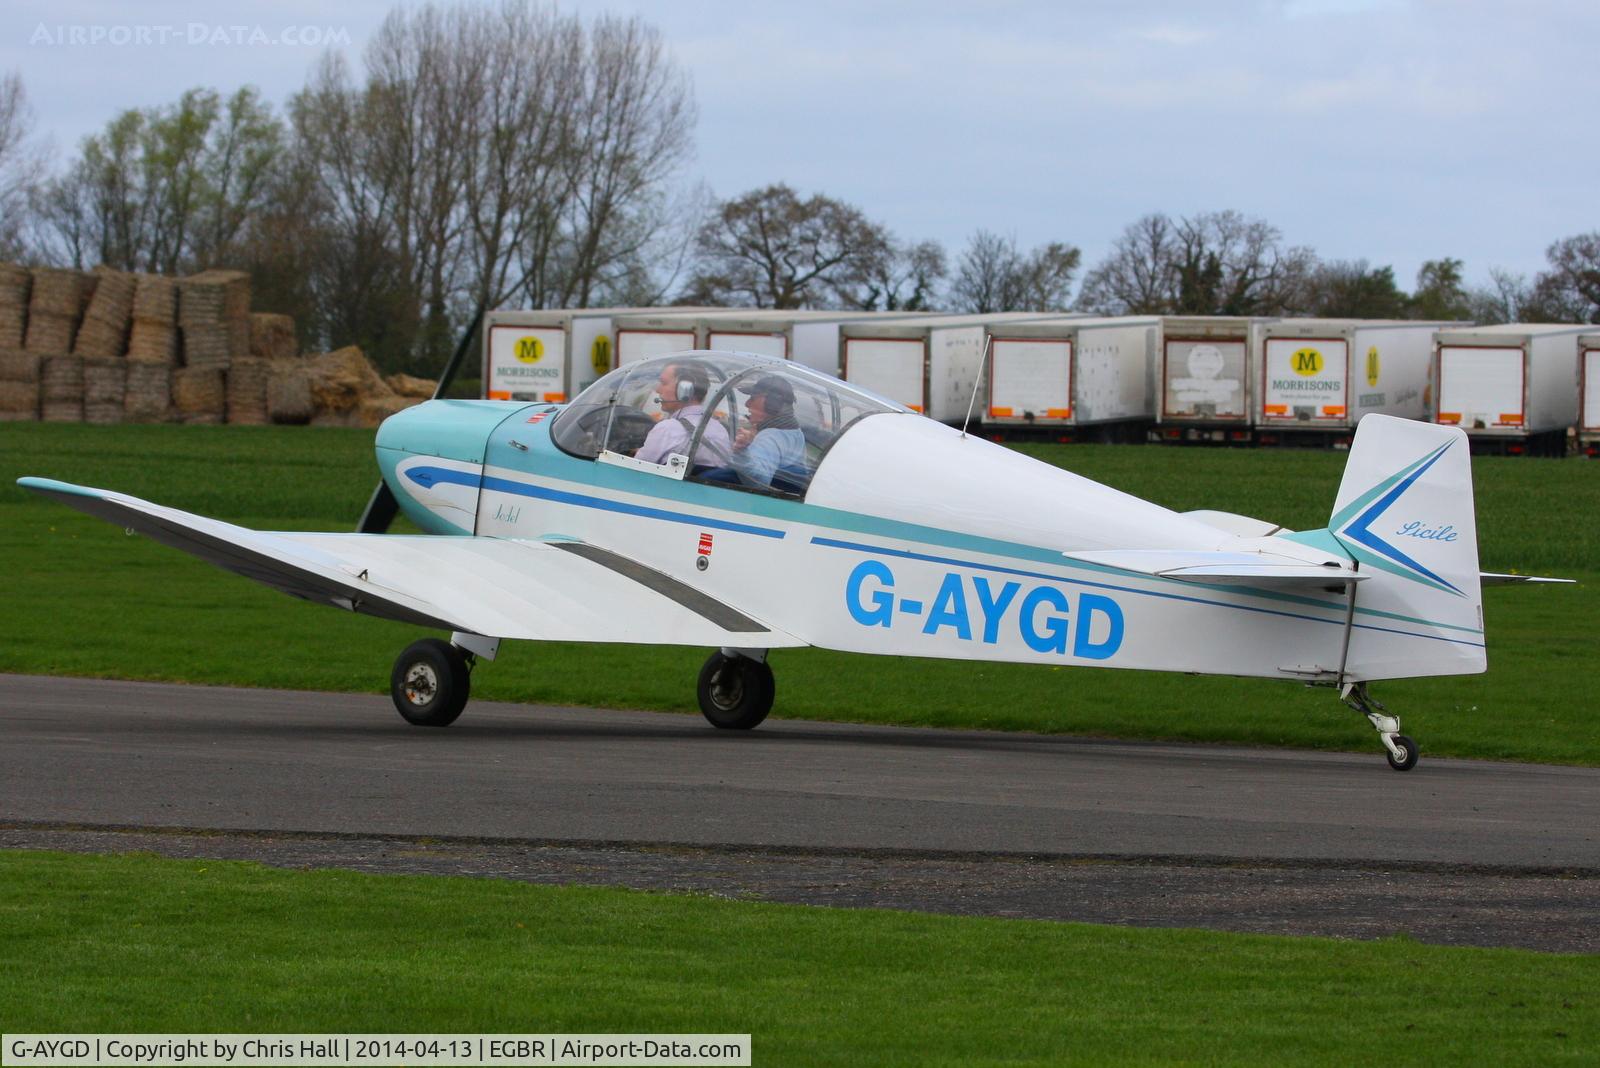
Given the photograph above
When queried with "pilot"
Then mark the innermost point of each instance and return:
(682, 390)
(771, 442)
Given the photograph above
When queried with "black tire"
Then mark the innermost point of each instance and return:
(1408, 749)
(430, 683)
(735, 692)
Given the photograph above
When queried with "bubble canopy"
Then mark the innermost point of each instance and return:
(752, 422)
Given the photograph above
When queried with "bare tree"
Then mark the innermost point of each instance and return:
(1213, 263)
(1502, 301)
(21, 165)
(1139, 276)
(904, 278)
(771, 249)
(995, 275)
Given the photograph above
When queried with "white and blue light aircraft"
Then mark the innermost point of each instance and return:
(747, 504)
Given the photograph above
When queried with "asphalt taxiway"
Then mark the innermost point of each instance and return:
(959, 821)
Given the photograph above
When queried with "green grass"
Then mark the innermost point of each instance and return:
(135, 943)
(83, 599)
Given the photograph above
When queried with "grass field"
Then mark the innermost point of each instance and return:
(124, 943)
(83, 599)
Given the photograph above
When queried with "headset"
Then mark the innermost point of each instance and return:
(685, 390)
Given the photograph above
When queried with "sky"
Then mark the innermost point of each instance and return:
(1394, 132)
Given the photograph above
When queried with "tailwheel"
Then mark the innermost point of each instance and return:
(735, 691)
(430, 682)
(1402, 753)
(1401, 750)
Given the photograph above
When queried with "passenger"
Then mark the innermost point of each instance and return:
(772, 440)
(682, 390)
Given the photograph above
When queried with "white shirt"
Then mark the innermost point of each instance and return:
(672, 433)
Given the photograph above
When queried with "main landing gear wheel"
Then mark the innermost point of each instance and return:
(430, 683)
(735, 691)
(1403, 757)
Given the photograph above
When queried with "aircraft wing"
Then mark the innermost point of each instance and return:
(1224, 567)
(549, 591)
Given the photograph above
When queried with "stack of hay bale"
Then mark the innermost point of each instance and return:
(152, 350)
(55, 301)
(100, 344)
(199, 389)
(15, 284)
(272, 338)
(19, 370)
(19, 386)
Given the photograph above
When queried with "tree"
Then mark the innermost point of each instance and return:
(770, 249)
(1440, 294)
(1213, 263)
(165, 189)
(1502, 301)
(1139, 276)
(21, 165)
(995, 275)
(904, 279)
(1350, 289)
(1569, 292)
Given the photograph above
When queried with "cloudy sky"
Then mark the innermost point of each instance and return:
(1388, 131)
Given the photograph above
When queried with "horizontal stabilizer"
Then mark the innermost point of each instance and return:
(499, 588)
(1491, 578)
(1223, 567)
(1239, 525)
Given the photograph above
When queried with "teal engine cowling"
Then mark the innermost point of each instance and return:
(432, 456)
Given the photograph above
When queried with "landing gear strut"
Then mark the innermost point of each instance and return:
(736, 689)
(1401, 750)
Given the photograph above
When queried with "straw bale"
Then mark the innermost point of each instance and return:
(88, 282)
(153, 342)
(410, 385)
(96, 337)
(198, 392)
(342, 379)
(61, 379)
(375, 410)
(19, 401)
(155, 299)
(15, 284)
(200, 301)
(324, 417)
(149, 394)
(13, 326)
(57, 292)
(49, 333)
(104, 413)
(272, 337)
(247, 390)
(18, 366)
(112, 302)
(105, 380)
(61, 411)
(205, 346)
(289, 392)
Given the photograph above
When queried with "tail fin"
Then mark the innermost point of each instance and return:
(1404, 512)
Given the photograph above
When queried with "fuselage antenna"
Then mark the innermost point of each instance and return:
(988, 339)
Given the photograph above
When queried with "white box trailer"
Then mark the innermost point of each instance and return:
(1206, 379)
(928, 363)
(1589, 394)
(547, 355)
(639, 337)
(1318, 377)
(806, 336)
(1513, 387)
(1055, 377)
